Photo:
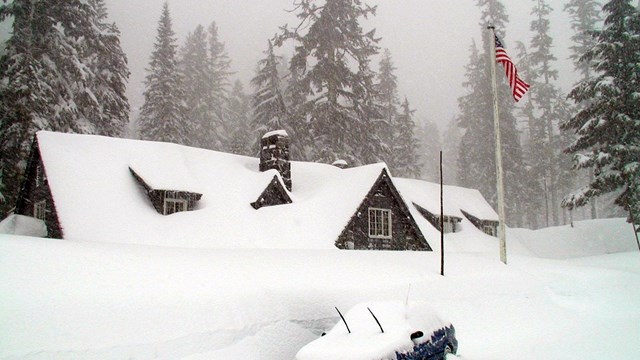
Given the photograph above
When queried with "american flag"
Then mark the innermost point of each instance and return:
(518, 86)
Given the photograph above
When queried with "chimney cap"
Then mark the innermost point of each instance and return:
(342, 164)
(280, 132)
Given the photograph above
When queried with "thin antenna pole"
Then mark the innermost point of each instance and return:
(343, 320)
(441, 220)
(376, 319)
(496, 127)
(635, 230)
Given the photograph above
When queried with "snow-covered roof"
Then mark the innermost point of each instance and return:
(456, 198)
(97, 198)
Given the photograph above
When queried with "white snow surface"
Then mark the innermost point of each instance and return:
(77, 299)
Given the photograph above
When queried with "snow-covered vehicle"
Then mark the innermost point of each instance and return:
(385, 330)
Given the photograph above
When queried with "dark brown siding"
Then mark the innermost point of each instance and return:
(35, 190)
(405, 232)
(435, 220)
(274, 194)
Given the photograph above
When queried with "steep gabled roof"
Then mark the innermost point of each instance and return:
(97, 198)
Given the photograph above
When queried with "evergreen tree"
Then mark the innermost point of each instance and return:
(387, 97)
(332, 61)
(544, 93)
(534, 200)
(450, 145)
(585, 15)
(477, 152)
(608, 127)
(198, 88)
(162, 117)
(239, 117)
(269, 109)
(219, 64)
(430, 147)
(109, 65)
(405, 146)
(52, 78)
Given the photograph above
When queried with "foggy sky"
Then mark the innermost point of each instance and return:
(429, 40)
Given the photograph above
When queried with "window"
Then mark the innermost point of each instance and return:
(173, 203)
(380, 223)
(40, 176)
(40, 209)
(489, 230)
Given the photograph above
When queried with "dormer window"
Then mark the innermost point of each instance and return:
(380, 223)
(173, 203)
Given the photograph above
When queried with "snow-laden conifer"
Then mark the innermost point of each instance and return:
(162, 117)
(269, 109)
(332, 56)
(56, 75)
(608, 126)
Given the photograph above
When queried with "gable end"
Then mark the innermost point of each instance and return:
(273, 194)
(382, 200)
(35, 198)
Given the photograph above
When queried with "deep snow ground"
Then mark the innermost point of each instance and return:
(83, 300)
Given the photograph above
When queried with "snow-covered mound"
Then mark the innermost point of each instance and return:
(23, 225)
(585, 238)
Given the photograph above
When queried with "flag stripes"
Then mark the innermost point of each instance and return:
(518, 86)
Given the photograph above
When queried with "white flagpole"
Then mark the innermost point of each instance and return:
(496, 128)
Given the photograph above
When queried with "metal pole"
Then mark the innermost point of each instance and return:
(635, 230)
(441, 220)
(496, 127)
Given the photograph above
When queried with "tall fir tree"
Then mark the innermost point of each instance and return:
(198, 87)
(220, 64)
(109, 65)
(52, 78)
(239, 116)
(534, 201)
(477, 152)
(387, 98)
(544, 94)
(450, 146)
(162, 117)
(332, 61)
(430, 143)
(269, 109)
(608, 126)
(585, 16)
(405, 145)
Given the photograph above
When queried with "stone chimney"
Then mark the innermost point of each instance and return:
(274, 154)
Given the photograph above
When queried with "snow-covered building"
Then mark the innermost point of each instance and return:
(143, 192)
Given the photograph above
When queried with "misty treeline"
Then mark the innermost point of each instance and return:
(63, 70)
(327, 97)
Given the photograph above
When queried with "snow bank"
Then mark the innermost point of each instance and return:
(23, 225)
(91, 300)
(585, 238)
